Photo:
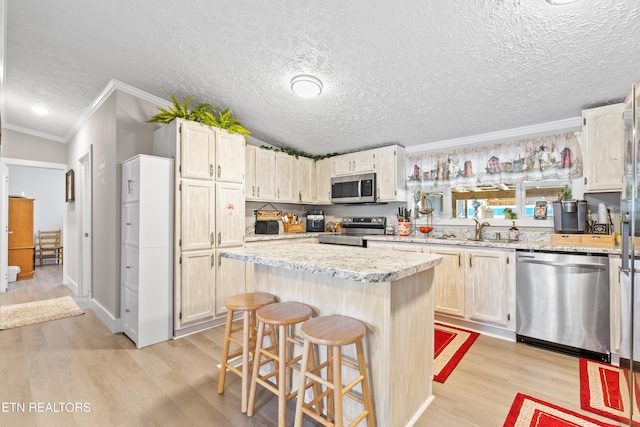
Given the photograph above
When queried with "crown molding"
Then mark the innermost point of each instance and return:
(34, 133)
(111, 87)
(565, 125)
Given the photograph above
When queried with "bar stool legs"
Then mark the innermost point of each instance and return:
(333, 332)
(247, 303)
(282, 316)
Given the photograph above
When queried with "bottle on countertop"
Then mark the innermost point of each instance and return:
(514, 233)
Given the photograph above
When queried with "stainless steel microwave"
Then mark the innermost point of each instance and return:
(354, 188)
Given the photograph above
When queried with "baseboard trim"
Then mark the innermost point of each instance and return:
(107, 318)
(199, 327)
(420, 410)
(71, 285)
(492, 331)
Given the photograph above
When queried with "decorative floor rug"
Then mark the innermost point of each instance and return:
(529, 412)
(604, 390)
(450, 345)
(15, 315)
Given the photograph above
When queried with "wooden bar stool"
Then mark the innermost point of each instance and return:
(247, 303)
(334, 332)
(284, 316)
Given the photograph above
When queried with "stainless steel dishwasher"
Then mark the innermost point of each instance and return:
(563, 302)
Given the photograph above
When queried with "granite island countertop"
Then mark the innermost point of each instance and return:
(281, 236)
(343, 262)
(533, 245)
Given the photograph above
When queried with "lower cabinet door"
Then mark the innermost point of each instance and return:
(230, 280)
(129, 313)
(449, 282)
(197, 287)
(488, 286)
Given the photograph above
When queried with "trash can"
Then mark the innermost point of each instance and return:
(13, 273)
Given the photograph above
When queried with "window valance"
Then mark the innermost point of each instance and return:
(532, 159)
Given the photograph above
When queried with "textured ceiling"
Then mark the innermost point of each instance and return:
(410, 72)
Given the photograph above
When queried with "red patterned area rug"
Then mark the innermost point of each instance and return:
(604, 390)
(450, 345)
(529, 412)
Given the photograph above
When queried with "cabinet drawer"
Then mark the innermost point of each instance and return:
(598, 240)
(130, 267)
(130, 223)
(566, 238)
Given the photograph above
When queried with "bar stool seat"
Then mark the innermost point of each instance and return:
(333, 332)
(247, 303)
(283, 316)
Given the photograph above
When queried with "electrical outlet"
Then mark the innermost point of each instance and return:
(255, 212)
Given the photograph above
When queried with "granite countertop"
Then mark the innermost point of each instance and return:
(262, 237)
(519, 244)
(343, 262)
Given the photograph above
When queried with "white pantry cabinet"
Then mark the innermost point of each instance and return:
(209, 214)
(146, 277)
(603, 146)
(260, 173)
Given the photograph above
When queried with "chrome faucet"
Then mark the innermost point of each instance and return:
(479, 227)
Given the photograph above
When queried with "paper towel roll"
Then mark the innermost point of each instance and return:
(602, 214)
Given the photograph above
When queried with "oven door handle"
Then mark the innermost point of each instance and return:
(359, 189)
(558, 264)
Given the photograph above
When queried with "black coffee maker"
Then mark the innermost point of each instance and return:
(315, 221)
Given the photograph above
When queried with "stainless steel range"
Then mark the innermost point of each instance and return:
(354, 228)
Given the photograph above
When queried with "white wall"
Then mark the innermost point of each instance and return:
(47, 187)
(18, 145)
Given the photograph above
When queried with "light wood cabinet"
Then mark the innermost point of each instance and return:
(603, 146)
(471, 285)
(146, 276)
(250, 172)
(489, 290)
(209, 214)
(20, 242)
(305, 180)
(228, 273)
(285, 171)
(230, 157)
(358, 162)
(323, 181)
(265, 175)
(390, 174)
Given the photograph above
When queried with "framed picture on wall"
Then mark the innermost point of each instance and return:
(69, 188)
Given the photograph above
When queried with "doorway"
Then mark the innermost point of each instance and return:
(5, 164)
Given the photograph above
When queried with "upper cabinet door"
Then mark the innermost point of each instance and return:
(230, 214)
(197, 214)
(230, 157)
(306, 169)
(323, 180)
(603, 134)
(265, 174)
(250, 172)
(285, 171)
(364, 161)
(197, 151)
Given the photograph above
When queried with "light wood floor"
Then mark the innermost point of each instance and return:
(174, 383)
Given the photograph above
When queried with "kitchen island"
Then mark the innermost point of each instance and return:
(390, 293)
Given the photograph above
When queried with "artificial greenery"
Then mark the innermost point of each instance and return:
(296, 153)
(202, 113)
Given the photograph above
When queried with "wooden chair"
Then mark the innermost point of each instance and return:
(50, 246)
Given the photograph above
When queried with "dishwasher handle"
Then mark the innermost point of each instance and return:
(559, 264)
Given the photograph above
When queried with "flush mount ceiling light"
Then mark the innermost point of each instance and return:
(306, 86)
(557, 2)
(40, 110)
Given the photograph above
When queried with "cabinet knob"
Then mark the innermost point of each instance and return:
(127, 310)
(219, 171)
(211, 170)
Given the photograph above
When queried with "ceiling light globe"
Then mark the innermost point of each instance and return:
(306, 86)
(40, 110)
